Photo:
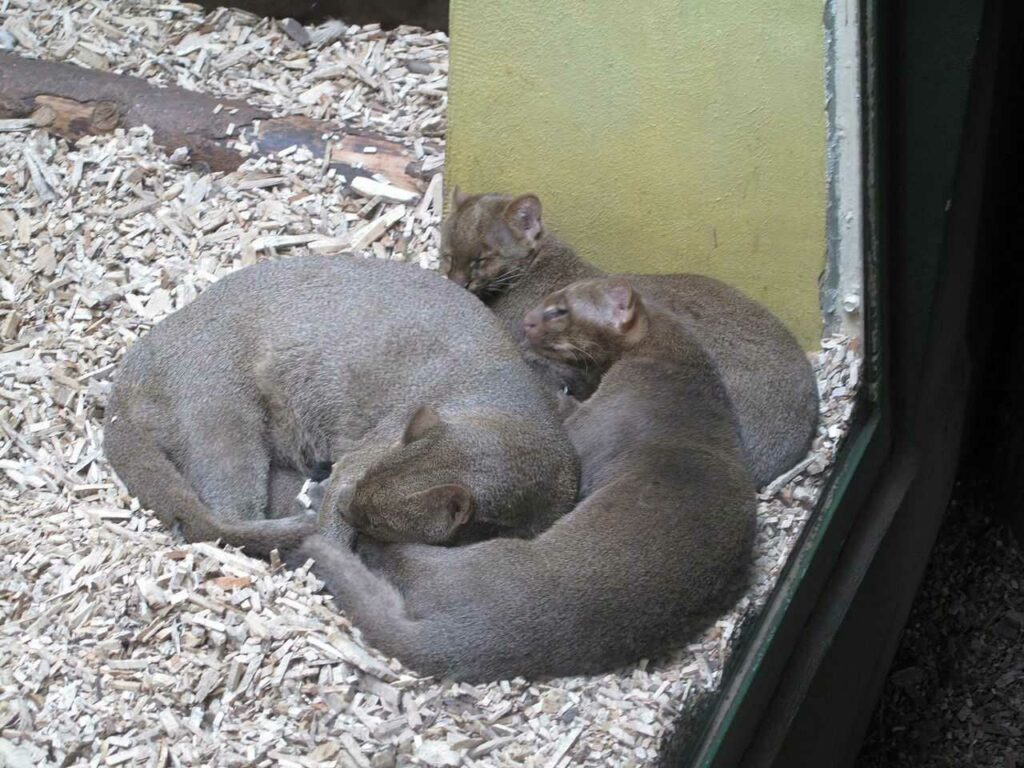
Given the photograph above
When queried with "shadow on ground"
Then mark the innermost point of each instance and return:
(955, 692)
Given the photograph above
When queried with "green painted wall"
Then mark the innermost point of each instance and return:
(664, 135)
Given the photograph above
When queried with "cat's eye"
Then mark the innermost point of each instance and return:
(553, 313)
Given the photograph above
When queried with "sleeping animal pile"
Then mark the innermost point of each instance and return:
(534, 469)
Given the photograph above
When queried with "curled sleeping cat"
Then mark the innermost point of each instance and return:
(224, 408)
(656, 548)
(497, 246)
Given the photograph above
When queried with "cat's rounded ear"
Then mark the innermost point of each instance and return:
(624, 306)
(457, 198)
(423, 420)
(523, 216)
(454, 501)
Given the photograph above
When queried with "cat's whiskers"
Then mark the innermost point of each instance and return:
(506, 280)
(580, 353)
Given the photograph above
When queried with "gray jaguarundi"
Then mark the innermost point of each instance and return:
(497, 246)
(658, 545)
(220, 412)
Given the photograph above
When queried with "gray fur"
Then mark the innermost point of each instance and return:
(657, 547)
(767, 375)
(219, 413)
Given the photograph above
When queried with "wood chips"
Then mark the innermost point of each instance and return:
(121, 646)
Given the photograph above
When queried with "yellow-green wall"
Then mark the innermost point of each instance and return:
(662, 135)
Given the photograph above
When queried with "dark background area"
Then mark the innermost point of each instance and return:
(992, 460)
(955, 692)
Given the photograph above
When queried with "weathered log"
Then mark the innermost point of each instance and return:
(432, 14)
(72, 101)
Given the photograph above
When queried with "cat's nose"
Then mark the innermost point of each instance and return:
(530, 326)
(459, 277)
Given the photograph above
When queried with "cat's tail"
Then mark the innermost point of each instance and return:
(373, 603)
(153, 478)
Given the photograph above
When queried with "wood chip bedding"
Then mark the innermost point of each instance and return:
(122, 646)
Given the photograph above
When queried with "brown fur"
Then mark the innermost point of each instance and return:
(223, 409)
(655, 549)
(497, 247)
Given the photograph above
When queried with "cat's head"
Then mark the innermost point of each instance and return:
(589, 323)
(488, 241)
(413, 491)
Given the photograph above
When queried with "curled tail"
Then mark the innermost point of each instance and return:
(154, 479)
(372, 602)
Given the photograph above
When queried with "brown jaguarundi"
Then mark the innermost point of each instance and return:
(659, 545)
(230, 403)
(497, 246)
